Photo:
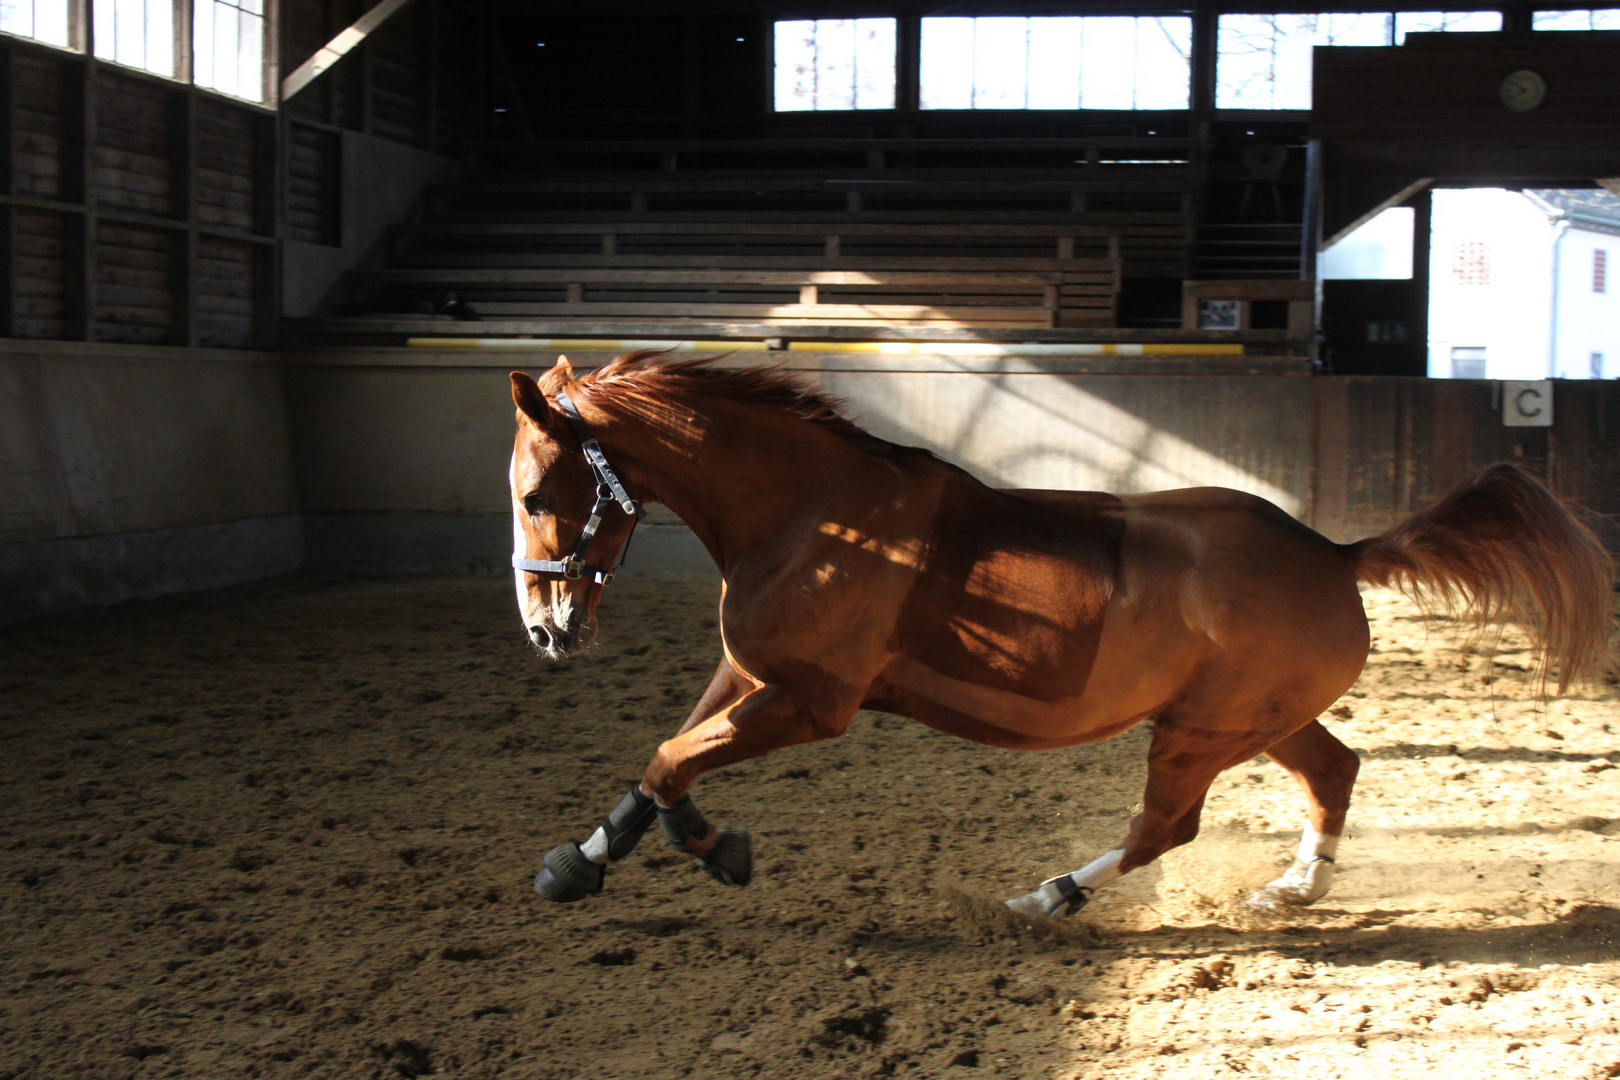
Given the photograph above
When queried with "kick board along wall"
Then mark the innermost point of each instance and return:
(401, 455)
(145, 227)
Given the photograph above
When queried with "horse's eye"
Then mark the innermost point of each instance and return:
(534, 502)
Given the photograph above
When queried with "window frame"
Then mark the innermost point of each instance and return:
(1080, 107)
(774, 108)
(81, 41)
(1391, 11)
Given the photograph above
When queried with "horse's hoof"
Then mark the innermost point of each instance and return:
(1056, 898)
(1301, 885)
(1275, 898)
(731, 862)
(569, 875)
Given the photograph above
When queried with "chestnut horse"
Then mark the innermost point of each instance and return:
(861, 574)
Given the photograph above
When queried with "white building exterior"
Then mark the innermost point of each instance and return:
(1523, 286)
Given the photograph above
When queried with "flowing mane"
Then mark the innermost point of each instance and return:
(635, 374)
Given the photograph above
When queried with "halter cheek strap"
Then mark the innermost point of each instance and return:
(609, 492)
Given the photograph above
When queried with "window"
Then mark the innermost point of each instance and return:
(229, 37)
(1431, 22)
(1069, 62)
(1597, 365)
(42, 20)
(826, 64)
(1600, 271)
(1264, 61)
(1587, 19)
(1468, 362)
(137, 33)
(1380, 250)
(1471, 263)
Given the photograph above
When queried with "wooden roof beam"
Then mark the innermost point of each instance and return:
(340, 46)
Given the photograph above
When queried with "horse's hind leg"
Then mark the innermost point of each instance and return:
(1181, 766)
(1326, 769)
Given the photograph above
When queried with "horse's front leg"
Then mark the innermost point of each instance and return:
(765, 718)
(737, 719)
(574, 871)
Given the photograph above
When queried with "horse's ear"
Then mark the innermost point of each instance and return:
(530, 400)
(558, 378)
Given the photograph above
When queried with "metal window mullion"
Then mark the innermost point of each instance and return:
(184, 60)
(815, 65)
(1027, 58)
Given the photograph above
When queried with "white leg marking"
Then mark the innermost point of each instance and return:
(596, 848)
(1068, 893)
(1307, 880)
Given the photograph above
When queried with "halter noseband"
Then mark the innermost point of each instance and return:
(609, 491)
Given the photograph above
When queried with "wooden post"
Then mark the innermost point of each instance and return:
(610, 243)
(182, 207)
(1065, 247)
(908, 63)
(809, 294)
(269, 213)
(79, 234)
(832, 247)
(638, 202)
(1077, 202)
(8, 233)
(852, 202)
(576, 293)
(691, 75)
(430, 132)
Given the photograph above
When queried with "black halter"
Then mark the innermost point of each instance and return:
(608, 492)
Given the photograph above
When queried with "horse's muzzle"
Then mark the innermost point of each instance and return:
(559, 643)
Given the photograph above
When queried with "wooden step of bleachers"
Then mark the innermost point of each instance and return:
(796, 233)
(1082, 293)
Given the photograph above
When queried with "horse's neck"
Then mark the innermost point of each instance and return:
(737, 474)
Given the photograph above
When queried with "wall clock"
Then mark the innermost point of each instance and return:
(1523, 90)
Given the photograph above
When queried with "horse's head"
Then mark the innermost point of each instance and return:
(553, 492)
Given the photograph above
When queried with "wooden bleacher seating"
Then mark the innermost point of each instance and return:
(603, 233)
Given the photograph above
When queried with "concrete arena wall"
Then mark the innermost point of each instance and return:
(132, 471)
(402, 454)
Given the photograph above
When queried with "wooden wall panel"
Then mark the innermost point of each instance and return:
(1388, 447)
(311, 185)
(39, 303)
(135, 285)
(131, 167)
(39, 119)
(224, 290)
(223, 185)
(399, 98)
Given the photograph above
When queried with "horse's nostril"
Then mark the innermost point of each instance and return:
(540, 636)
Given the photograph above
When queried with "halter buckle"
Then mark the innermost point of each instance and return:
(573, 569)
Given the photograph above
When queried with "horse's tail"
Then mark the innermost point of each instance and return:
(1504, 547)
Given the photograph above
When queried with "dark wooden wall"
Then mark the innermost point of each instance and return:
(1387, 448)
(421, 80)
(133, 208)
(1386, 117)
(137, 209)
